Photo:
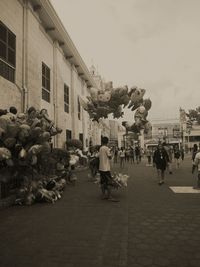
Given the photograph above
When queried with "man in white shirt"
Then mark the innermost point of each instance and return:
(104, 169)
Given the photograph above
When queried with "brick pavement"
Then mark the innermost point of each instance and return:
(150, 226)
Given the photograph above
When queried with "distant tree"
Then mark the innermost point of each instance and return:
(194, 115)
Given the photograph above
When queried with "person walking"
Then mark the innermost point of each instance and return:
(94, 162)
(115, 154)
(194, 152)
(160, 160)
(197, 164)
(177, 155)
(137, 154)
(122, 157)
(104, 169)
(127, 153)
(148, 154)
(169, 153)
(182, 153)
(132, 156)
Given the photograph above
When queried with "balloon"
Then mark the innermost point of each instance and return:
(4, 153)
(147, 104)
(141, 109)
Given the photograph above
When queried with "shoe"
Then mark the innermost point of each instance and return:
(104, 197)
(160, 183)
(196, 188)
(113, 199)
(170, 172)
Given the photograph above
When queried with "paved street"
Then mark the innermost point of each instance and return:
(150, 226)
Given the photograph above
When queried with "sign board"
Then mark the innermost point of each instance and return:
(176, 133)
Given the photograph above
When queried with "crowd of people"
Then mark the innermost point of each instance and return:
(164, 158)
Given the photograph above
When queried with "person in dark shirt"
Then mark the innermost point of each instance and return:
(137, 154)
(132, 156)
(160, 160)
(194, 152)
(182, 153)
(177, 155)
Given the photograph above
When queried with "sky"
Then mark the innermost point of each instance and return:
(153, 44)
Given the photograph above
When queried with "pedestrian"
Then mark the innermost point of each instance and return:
(122, 157)
(127, 153)
(169, 153)
(194, 152)
(115, 154)
(132, 156)
(148, 154)
(141, 153)
(160, 160)
(197, 164)
(104, 169)
(137, 154)
(182, 153)
(94, 162)
(177, 155)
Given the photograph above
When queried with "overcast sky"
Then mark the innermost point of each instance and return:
(154, 44)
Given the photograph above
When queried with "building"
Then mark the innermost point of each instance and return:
(97, 130)
(190, 131)
(40, 66)
(117, 132)
(120, 136)
(168, 131)
(114, 129)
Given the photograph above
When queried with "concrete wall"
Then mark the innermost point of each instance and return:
(35, 46)
(40, 49)
(64, 119)
(10, 93)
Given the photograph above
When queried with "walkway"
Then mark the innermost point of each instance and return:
(150, 226)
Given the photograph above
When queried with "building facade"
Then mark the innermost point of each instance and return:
(169, 132)
(190, 131)
(41, 67)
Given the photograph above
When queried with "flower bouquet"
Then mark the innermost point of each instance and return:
(119, 180)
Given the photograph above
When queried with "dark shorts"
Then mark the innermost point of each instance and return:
(105, 178)
(161, 167)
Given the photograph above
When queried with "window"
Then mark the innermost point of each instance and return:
(66, 98)
(193, 138)
(7, 53)
(68, 135)
(45, 83)
(79, 109)
(86, 142)
(81, 137)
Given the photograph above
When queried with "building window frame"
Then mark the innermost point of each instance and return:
(81, 137)
(68, 135)
(66, 98)
(46, 82)
(7, 53)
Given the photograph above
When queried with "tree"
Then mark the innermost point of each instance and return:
(194, 115)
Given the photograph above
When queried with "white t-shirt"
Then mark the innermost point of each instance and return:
(104, 161)
(122, 154)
